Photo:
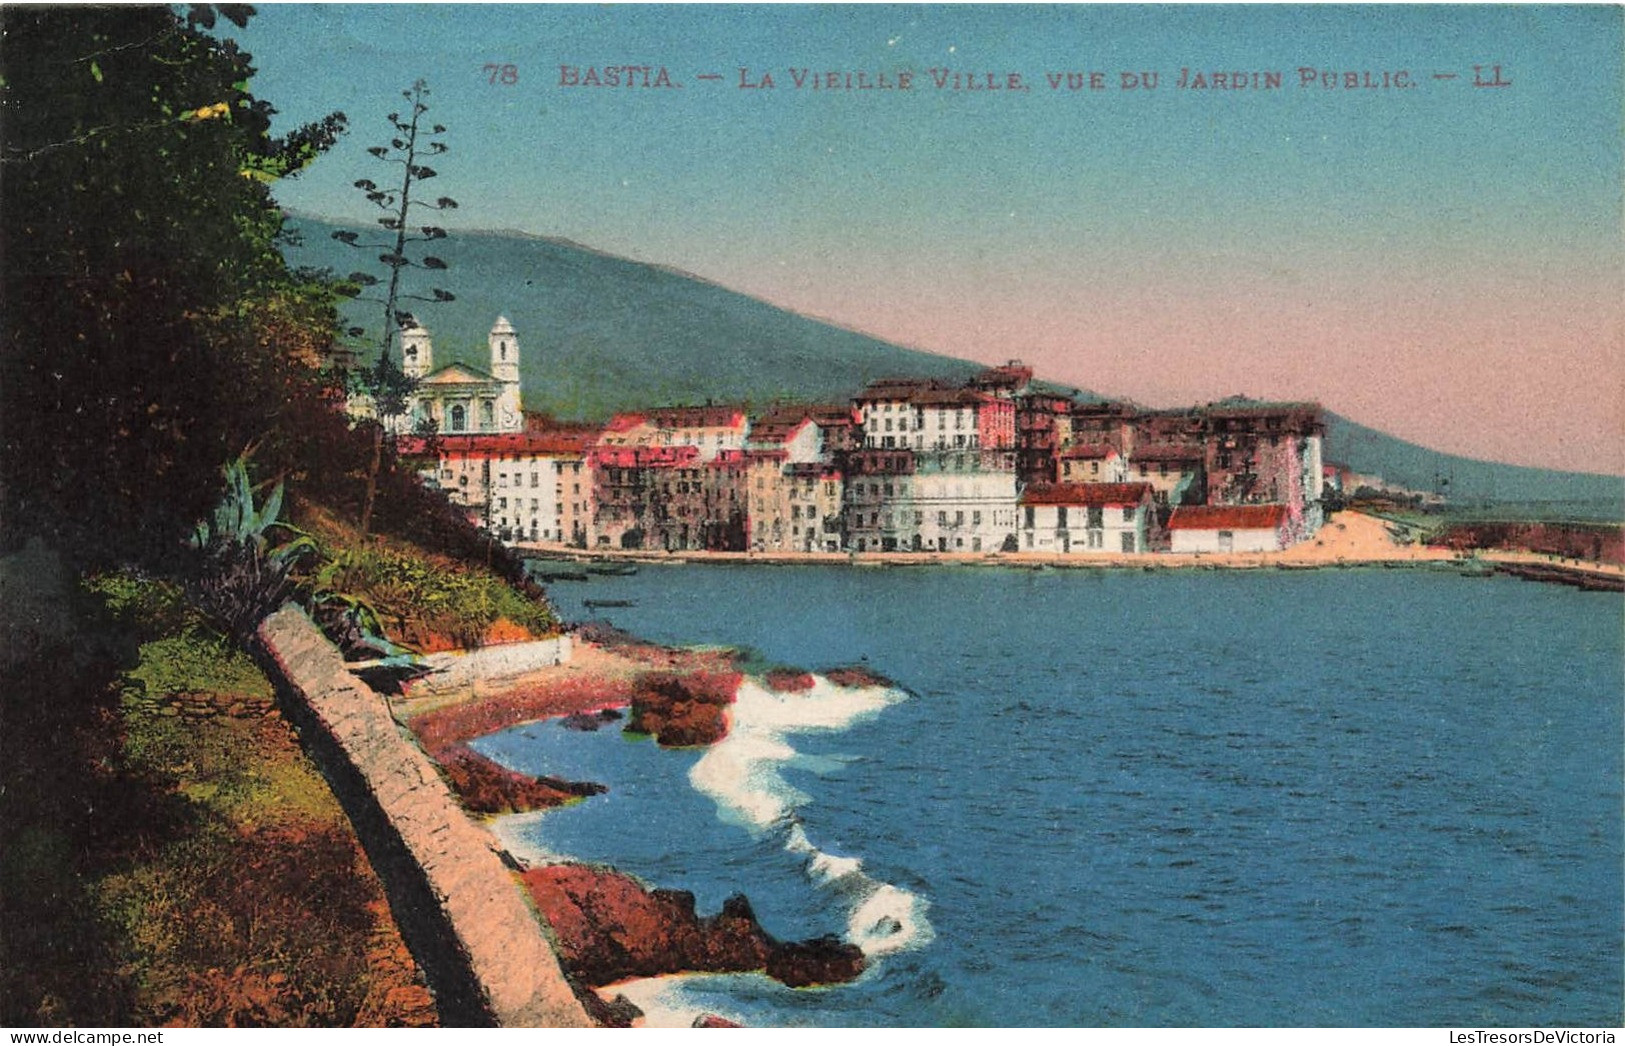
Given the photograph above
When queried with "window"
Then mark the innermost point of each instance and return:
(459, 418)
(1128, 541)
(1029, 523)
(942, 518)
(976, 519)
(1129, 512)
(1060, 516)
(1097, 516)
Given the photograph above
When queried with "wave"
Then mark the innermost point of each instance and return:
(741, 774)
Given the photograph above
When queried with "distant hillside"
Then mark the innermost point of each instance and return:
(1544, 492)
(601, 333)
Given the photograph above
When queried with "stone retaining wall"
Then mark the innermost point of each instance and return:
(481, 945)
(455, 670)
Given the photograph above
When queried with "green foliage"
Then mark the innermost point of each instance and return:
(415, 598)
(143, 604)
(243, 576)
(196, 662)
(141, 257)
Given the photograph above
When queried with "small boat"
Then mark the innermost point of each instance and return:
(560, 575)
(594, 604)
(613, 569)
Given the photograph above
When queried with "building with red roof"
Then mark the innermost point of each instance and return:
(1086, 517)
(521, 486)
(1228, 528)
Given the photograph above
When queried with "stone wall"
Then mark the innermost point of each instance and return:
(455, 670)
(460, 908)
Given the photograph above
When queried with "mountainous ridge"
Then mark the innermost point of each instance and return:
(600, 333)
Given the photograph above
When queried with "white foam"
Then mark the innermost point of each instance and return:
(741, 774)
(514, 833)
(662, 1000)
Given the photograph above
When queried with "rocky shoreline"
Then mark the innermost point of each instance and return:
(607, 925)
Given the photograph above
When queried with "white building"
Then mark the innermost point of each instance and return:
(458, 398)
(963, 501)
(1228, 528)
(1086, 517)
(519, 486)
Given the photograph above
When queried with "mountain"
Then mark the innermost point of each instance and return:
(599, 333)
(1546, 492)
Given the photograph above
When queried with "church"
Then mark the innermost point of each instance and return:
(458, 398)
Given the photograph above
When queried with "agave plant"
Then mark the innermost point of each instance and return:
(243, 575)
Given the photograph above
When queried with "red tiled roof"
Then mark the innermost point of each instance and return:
(643, 457)
(493, 444)
(1098, 495)
(777, 430)
(697, 417)
(623, 422)
(898, 388)
(1089, 450)
(1227, 517)
(940, 397)
(1168, 452)
(826, 414)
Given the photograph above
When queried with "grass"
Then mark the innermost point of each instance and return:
(173, 855)
(423, 600)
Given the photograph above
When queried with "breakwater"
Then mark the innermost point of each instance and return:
(458, 905)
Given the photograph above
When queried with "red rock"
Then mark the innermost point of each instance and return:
(683, 710)
(711, 1020)
(788, 680)
(855, 676)
(610, 927)
(488, 788)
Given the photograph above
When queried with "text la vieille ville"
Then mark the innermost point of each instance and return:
(944, 78)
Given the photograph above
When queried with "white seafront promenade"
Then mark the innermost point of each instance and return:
(1347, 539)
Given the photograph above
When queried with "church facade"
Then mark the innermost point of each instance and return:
(458, 399)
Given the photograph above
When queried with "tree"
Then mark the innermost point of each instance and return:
(386, 384)
(140, 244)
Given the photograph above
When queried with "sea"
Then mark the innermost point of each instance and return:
(1360, 797)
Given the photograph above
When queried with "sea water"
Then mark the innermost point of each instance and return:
(1367, 797)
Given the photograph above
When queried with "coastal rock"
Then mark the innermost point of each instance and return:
(619, 1012)
(683, 710)
(822, 960)
(711, 1020)
(589, 721)
(610, 928)
(788, 680)
(487, 788)
(856, 677)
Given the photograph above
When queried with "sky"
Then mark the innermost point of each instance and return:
(1435, 258)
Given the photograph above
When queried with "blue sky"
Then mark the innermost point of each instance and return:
(1365, 247)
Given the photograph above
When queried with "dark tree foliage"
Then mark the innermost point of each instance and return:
(151, 328)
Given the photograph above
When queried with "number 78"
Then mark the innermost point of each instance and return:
(501, 72)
